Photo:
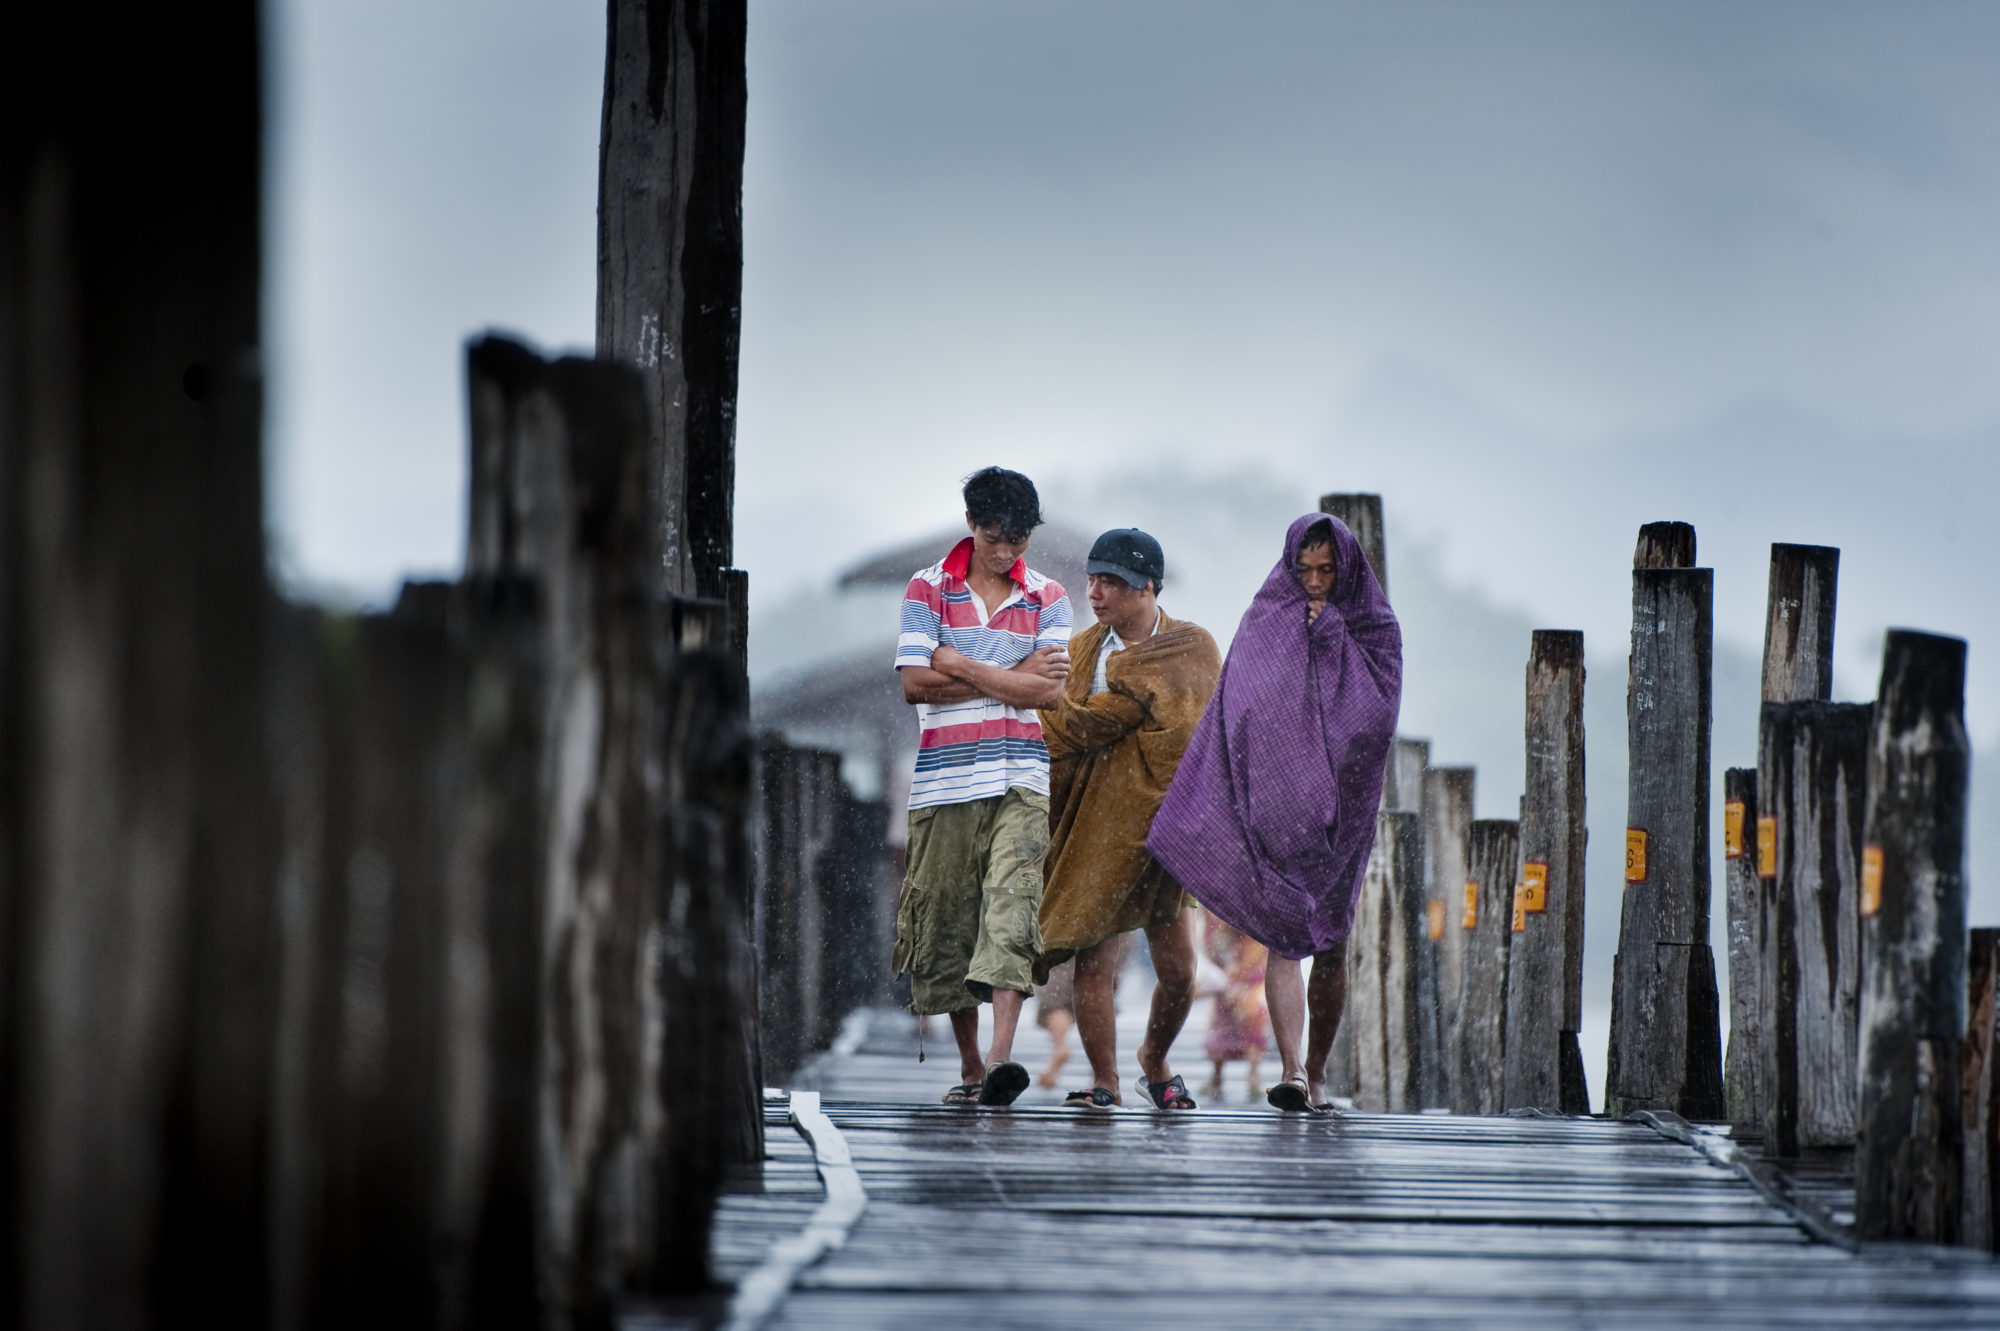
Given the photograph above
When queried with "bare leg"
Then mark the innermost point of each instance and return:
(965, 1030)
(1173, 993)
(1214, 1088)
(1097, 1010)
(1285, 996)
(1059, 1024)
(1254, 1083)
(1006, 1016)
(1326, 997)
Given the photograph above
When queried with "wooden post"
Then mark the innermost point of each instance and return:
(1544, 1063)
(1362, 513)
(1798, 623)
(1666, 1034)
(670, 261)
(1368, 997)
(1743, 1064)
(1908, 1152)
(1408, 761)
(1447, 813)
(1813, 779)
(1665, 545)
(1408, 980)
(1981, 1100)
(137, 836)
(1485, 920)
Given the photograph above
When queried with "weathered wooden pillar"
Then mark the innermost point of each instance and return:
(1544, 1063)
(137, 837)
(1447, 814)
(1742, 1066)
(1665, 545)
(1368, 998)
(559, 467)
(1981, 1099)
(1485, 922)
(1666, 1034)
(1812, 781)
(670, 261)
(1908, 1151)
(1362, 514)
(1798, 623)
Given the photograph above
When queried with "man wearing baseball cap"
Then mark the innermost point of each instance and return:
(1115, 736)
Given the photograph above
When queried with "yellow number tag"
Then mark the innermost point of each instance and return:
(1470, 920)
(1871, 879)
(1732, 830)
(1534, 886)
(1435, 910)
(1767, 846)
(1635, 854)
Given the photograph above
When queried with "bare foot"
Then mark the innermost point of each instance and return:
(1052, 1074)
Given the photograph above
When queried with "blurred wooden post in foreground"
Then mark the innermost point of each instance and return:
(1742, 1067)
(1485, 920)
(1666, 1036)
(1909, 1152)
(1544, 1063)
(137, 829)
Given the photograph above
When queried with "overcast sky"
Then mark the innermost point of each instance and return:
(1538, 272)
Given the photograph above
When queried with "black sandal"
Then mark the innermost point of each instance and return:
(1169, 1094)
(1004, 1084)
(1290, 1097)
(1094, 1098)
(966, 1094)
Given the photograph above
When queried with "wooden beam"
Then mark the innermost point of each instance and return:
(1363, 515)
(1665, 545)
(1447, 815)
(1743, 1062)
(670, 262)
(1909, 1151)
(1798, 623)
(1666, 1041)
(1544, 1068)
(1485, 919)
(1981, 1099)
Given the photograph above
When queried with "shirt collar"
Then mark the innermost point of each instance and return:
(959, 564)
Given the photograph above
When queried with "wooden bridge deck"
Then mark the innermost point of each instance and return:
(1045, 1217)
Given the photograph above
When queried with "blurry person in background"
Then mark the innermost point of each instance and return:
(1115, 736)
(984, 642)
(1241, 1025)
(1272, 815)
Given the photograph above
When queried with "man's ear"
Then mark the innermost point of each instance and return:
(970, 525)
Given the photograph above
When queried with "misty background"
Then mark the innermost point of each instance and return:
(1537, 272)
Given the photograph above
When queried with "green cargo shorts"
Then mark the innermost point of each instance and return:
(969, 922)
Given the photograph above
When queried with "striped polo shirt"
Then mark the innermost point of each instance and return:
(977, 749)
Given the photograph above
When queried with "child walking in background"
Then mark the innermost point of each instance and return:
(1241, 1024)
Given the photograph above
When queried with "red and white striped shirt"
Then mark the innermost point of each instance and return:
(977, 749)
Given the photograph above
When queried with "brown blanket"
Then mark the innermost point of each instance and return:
(1112, 757)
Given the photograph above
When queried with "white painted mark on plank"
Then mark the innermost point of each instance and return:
(648, 351)
(760, 1292)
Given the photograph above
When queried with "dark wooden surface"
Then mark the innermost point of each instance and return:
(1448, 807)
(1545, 977)
(1666, 1034)
(1743, 1062)
(1798, 623)
(1908, 1153)
(1363, 515)
(1044, 1217)
(1495, 863)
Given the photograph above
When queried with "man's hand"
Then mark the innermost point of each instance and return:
(1312, 610)
(1047, 662)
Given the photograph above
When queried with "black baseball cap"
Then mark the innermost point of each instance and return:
(1129, 555)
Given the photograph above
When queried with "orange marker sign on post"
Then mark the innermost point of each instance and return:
(1434, 910)
(1767, 846)
(1470, 920)
(1871, 879)
(1534, 886)
(1635, 854)
(1732, 830)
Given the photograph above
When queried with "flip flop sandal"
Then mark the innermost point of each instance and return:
(963, 1095)
(1004, 1084)
(1170, 1094)
(1094, 1098)
(1289, 1096)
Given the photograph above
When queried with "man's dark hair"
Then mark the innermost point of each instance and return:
(1320, 533)
(996, 497)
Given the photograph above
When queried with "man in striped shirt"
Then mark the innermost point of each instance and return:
(984, 643)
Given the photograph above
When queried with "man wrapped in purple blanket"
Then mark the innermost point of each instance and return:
(1271, 817)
